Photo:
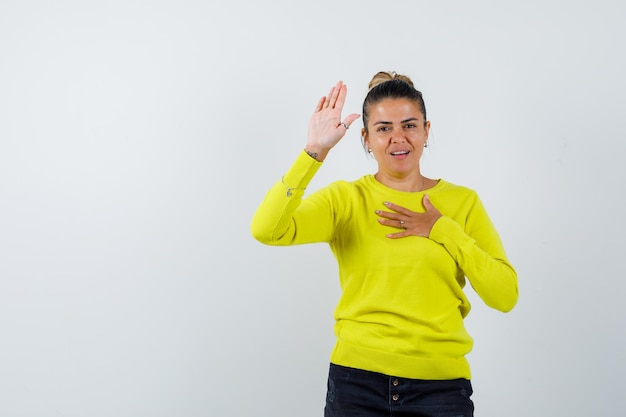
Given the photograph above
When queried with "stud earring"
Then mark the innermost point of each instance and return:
(425, 144)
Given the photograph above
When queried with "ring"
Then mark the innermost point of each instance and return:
(401, 222)
(344, 125)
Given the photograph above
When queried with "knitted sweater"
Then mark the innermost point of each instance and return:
(402, 303)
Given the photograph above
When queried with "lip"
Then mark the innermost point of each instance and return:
(395, 154)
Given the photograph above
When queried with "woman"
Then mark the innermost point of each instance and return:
(404, 244)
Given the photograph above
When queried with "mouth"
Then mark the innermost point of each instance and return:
(399, 153)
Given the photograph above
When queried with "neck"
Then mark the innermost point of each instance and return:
(410, 183)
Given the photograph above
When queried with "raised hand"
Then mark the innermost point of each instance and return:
(411, 223)
(326, 128)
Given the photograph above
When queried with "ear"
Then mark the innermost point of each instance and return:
(426, 130)
(365, 139)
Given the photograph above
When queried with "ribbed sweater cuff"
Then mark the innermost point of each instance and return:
(449, 233)
(301, 172)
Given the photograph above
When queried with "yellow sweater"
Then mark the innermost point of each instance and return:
(402, 305)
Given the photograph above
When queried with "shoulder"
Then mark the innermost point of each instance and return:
(343, 191)
(345, 185)
(458, 198)
(447, 187)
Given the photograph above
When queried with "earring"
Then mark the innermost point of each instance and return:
(425, 144)
(369, 150)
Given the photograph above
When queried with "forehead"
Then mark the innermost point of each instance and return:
(391, 110)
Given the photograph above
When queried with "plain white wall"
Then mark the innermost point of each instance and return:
(138, 137)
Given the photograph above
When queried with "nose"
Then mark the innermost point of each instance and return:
(397, 137)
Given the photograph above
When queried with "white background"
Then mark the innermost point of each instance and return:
(138, 137)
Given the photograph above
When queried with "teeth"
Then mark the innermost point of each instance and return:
(400, 153)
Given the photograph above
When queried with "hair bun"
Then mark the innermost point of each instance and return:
(384, 76)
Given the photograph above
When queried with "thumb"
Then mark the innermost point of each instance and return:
(427, 204)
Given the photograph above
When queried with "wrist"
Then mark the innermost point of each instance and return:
(317, 153)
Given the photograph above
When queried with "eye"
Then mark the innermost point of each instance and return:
(410, 125)
(383, 129)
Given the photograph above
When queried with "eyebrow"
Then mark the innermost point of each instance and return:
(411, 119)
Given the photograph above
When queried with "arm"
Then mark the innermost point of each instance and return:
(282, 219)
(475, 246)
(281, 215)
(479, 252)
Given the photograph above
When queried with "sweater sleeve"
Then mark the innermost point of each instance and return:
(479, 252)
(285, 218)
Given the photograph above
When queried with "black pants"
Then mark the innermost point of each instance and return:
(357, 393)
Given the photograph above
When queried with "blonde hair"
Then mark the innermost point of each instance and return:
(384, 76)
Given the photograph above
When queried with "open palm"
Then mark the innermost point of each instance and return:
(326, 127)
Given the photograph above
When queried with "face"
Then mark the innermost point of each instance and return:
(396, 134)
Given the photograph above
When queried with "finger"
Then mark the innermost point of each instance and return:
(351, 118)
(387, 215)
(328, 98)
(398, 209)
(341, 95)
(336, 92)
(427, 204)
(397, 223)
(320, 104)
(398, 235)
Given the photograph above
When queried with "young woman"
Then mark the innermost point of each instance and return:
(405, 244)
